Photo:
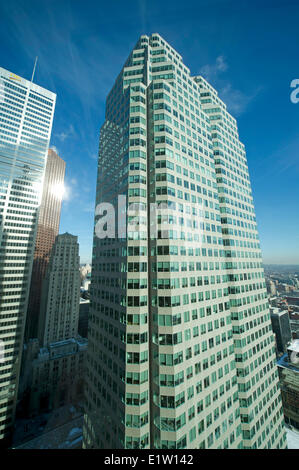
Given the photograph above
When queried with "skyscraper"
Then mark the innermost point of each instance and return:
(281, 327)
(54, 366)
(181, 352)
(59, 312)
(26, 115)
(47, 230)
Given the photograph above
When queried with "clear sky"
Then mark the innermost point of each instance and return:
(248, 50)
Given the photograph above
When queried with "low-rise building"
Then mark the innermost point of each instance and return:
(55, 375)
(288, 368)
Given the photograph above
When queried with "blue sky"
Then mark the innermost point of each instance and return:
(248, 50)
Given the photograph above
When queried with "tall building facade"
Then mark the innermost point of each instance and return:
(47, 230)
(59, 311)
(281, 327)
(181, 352)
(53, 371)
(26, 115)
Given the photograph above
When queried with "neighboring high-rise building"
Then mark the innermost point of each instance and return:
(181, 352)
(26, 112)
(59, 311)
(53, 371)
(47, 230)
(281, 328)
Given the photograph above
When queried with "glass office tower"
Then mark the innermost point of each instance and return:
(47, 231)
(181, 352)
(26, 115)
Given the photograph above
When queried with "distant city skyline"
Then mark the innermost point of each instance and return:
(253, 73)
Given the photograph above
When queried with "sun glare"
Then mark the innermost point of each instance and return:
(59, 190)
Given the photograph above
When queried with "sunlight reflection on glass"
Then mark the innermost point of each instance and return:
(60, 191)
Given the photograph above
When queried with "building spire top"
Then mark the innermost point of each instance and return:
(36, 59)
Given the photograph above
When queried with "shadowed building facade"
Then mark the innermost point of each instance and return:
(288, 367)
(54, 363)
(59, 310)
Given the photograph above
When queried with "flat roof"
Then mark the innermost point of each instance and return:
(23, 82)
(294, 346)
(284, 362)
